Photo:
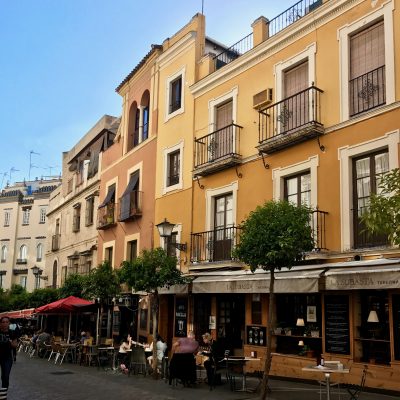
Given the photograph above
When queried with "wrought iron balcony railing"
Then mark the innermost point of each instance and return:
(106, 216)
(291, 120)
(130, 205)
(55, 242)
(275, 25)
(367, 91)
(318, 223)
(216, 245)
(217, 150)
(22, 261)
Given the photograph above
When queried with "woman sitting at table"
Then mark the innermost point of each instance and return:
(161, 346)
(123, 356)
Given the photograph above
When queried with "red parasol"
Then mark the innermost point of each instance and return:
(69, 304)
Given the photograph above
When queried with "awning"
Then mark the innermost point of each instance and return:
(174, 289)
(132, 183)
(108, 198)
(373, 277)
(295, 281)
(26, 313)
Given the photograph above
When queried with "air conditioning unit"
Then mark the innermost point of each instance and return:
(263, 98)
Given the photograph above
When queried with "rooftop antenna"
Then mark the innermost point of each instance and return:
(2, 179)
(12, 169)
(50, 167)
(30, 163)
(202, 6)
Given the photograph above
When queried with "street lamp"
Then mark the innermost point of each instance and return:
(38, 276)
(165, 231)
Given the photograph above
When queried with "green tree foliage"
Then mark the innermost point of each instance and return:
(102, 283)
(274, 236)
(40, 297)
(18, 298)
(383, 216)
(74, 285)
(152, 270)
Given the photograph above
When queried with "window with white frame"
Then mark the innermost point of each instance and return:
(3, 253)
(366, 49)
(26, 212)
(89, 211)
(175, 94)
(22, 281)
(23, 252)
(39, 252)
(42, 216)
(298, 189)
(108, 255)
(173, 158)
(7, 217)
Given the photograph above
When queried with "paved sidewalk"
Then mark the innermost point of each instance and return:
(38, 379)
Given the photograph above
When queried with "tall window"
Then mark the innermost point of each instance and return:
(367, 69)
(223, 227)
(173, 168)
(3, 253)
(131, 250)
(42, 216)
(22, 281)
(298, 189)
(89, 211)
(145, 123)
(1, 281)
(76, 223)
(7, 216)
(171, 249)
(175, 97)
(368, 171)
(130, 199)
(39, 252)
(23, 252)
(221, 142)
(108, 256)
(25, 216)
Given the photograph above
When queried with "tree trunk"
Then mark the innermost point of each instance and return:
(270, 321)
(155, 332)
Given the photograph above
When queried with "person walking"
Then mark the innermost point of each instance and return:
(8, 341)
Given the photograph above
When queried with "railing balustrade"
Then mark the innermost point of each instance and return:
(106, 216)
(130, 205)
(217, 145)
(318, 221)
(367, 91)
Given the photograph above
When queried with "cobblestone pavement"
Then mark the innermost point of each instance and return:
(38, 379)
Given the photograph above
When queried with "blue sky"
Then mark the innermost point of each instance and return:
(61, 61)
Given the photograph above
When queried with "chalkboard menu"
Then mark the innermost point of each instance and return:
(181, 305)
(256, 335)
(337, 326)
(396, 325)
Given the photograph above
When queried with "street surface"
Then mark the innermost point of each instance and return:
(38, 379)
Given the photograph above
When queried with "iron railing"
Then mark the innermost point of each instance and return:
(317, 222)
(55, 242)
(215, 245)
(291, 114)
(130, 205)
(21, 261)
(362, 237)
(217, 145)
(275, 25)
(106, 216)
(367, 91)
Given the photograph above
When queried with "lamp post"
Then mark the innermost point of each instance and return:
(165, 231)
(37, 272)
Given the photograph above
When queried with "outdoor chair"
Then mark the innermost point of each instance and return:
(355, 390)
(183, 368)
(138, 362)
(47, 350)
(55, 349)
(235, 370)
(92, 355)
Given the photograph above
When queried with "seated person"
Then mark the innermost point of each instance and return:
(123, 356)
(161, 346)
(210, 352)
(188, 344)
(42, 339)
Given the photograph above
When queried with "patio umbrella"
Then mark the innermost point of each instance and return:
(63, 306)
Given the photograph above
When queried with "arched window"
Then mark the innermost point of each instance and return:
(39, 252)
(3, 253)
(23, 251)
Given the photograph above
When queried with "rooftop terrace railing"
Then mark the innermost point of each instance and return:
(275, 25)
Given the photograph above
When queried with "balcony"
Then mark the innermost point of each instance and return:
(275, 25)
(55, 242)
(290, 121)
(106, 216)
(217, 151)
(213, 246)
(317, 222)
(130, 205)
(21, 261)
(367, 91)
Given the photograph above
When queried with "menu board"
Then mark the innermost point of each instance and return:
(337, 326)
(181, 305)
(256, 335)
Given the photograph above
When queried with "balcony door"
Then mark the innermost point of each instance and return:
(294, 111)
(367, 173)
(221, 141)
(223, 227)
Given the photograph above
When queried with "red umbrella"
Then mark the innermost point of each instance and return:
(68, 304)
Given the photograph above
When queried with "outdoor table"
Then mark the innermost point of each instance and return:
(333, 368)
(110, 352)
(241, 361)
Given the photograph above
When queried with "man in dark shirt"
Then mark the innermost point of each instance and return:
(8, 341)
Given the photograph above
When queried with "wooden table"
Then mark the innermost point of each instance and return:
(333, 368)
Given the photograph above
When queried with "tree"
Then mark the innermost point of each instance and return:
(74, 285)
(274, 236)
(40, 297)
(383, 215)
(149, 272)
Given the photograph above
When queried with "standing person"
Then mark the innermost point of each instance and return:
(8, 341)
(210, 352)
(161, 346)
